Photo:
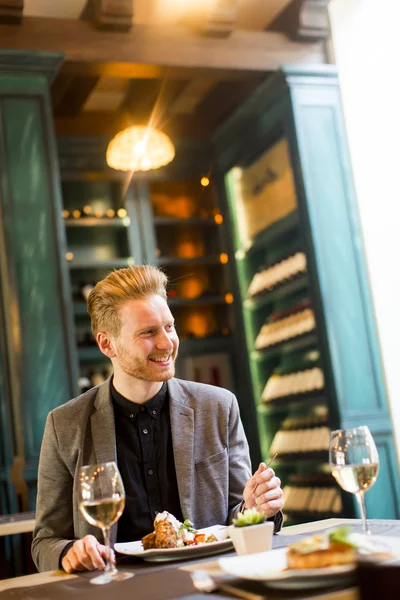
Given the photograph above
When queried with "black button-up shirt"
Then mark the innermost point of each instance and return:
(146, 462)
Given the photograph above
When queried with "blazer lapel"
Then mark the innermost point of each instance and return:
(182, 430)
(103, 433)
(103, 426)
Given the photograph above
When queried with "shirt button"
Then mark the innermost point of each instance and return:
(150, 471)
(141, 408)
(145, 431)
(131, 416)
(154, 412)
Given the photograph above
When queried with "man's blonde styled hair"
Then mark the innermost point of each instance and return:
(118, 287)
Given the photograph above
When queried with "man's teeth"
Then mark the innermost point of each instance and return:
(163, 359)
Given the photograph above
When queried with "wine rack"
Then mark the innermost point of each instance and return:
(286, 184)
(188, 242)
(286, 368)
(98, 232)
(311, 497)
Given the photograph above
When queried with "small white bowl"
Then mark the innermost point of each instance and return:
(252, 538)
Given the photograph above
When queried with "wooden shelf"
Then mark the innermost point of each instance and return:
(304, 459)
(164, 261)
(95, 222)
(101, 264)
(295, 285)
(187, 347)
(279, 406)
(91, 354)
(299, 343)
(212, 299)
(270, 235)
(80, 309)
(209, 345)
(190, 221)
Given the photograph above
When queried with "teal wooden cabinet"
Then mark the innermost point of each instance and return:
(285, 178)
(37, 361)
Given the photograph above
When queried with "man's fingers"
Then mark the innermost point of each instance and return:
(250, 502)
(269, 509)
(260, 477)
(267, 486)
(66, 565)
(84, 554)
(263, 491)
(83, 558)
(254, 480)
(92, 551)
(274, 494)
(103, 552)
(263, 476)
(71, 562)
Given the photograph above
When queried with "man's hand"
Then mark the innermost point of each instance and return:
(86, 554)
(263, 491)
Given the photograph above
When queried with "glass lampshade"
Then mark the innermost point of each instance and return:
(139, 148)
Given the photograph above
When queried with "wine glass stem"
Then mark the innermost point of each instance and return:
(110, 567)
(361, 502)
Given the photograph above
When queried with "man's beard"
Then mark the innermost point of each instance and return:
(143, 370)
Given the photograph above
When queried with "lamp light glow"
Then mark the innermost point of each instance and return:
(139, 148)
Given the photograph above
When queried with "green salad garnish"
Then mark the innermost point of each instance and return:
(250, 516)
(187, 525)
(341, 535)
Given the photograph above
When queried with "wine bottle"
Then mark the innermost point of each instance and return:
(84, 384)
(86, 289)
(87, 210)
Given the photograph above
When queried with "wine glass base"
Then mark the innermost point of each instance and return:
(109, 577)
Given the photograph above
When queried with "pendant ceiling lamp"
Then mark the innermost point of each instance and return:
(139, 148)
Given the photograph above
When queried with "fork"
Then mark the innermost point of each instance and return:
(255, 487)
(203, 582)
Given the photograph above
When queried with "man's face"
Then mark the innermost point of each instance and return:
(147, 345)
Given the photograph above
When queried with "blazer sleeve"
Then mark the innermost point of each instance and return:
(54, 507)
(240, 467)
(239, 460)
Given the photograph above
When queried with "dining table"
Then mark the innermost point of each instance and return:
(173, 580)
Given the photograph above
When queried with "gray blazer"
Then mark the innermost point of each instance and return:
(210, 451)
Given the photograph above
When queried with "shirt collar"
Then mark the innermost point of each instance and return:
(128, 407)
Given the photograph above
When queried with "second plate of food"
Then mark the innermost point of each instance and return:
(271, 569)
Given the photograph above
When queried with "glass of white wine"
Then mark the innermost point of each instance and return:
(354, 462)
(102, 501)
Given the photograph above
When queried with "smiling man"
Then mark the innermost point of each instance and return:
(179, 445)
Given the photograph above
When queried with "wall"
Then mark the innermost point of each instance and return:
(366, 46)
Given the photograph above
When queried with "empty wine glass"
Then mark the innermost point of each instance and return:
(102, 501)
(354, 462)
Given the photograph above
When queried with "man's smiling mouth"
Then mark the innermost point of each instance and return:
(160, 359)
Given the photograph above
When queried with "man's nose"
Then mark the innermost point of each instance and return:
(164, 341)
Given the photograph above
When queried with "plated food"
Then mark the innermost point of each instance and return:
(177, 543)
(171, 533)
(317, 561)
(332, 548)
(322, 550)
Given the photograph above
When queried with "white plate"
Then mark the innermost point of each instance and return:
(170, 554)
(271, 569)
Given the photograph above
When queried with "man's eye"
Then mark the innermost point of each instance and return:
(170, 327)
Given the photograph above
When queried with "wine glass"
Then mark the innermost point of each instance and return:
(102, 501)
(354, 462)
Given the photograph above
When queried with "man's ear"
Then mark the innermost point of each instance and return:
(105, 344)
